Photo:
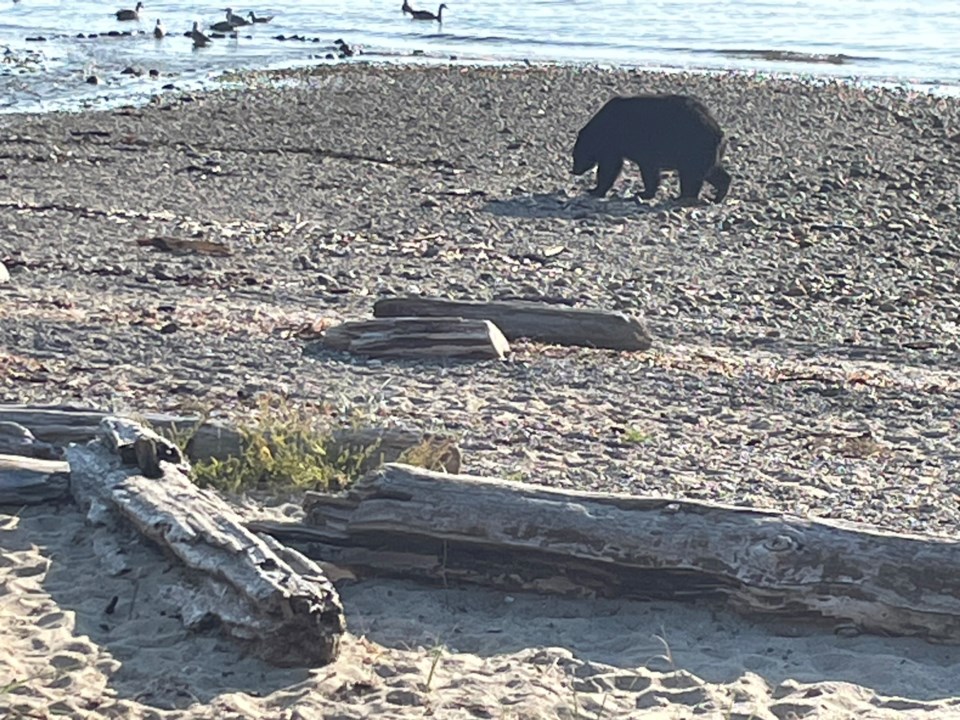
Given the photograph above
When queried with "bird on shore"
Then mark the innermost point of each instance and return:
(236, 20)
(159, 31)
(130, 14)
(261, 19)
(199, 39)
(427, 15)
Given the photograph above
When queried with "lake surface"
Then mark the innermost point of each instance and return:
(882, 41)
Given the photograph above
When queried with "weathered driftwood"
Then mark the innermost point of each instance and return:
(452, 338)
(27, 480)
(56, 426)
(289, 614)
(541, 322)
(403, 521)
(15, 439)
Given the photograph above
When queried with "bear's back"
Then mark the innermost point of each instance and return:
(670, 115)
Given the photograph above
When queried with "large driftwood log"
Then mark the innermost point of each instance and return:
(452, 338)
(262, 594)
(15, 439)
(57, 425)
(27, 480)
(554, 324)
(403, 521)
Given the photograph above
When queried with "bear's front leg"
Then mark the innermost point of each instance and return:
(651, 181)
(608, 170)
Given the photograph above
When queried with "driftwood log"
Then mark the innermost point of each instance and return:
(451, 338)
(54, 426)
(541, 322)
(16, 439)
(404, 521)
(28, 480)
(261, 593)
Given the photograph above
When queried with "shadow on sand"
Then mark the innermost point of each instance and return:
(577, 207)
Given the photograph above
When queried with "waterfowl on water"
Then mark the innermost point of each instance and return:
(261, 19)
(159, 31)
(224, 26)
(199, 39)
(236, 20)
(405, 9)
(427, 15)
(130, 14)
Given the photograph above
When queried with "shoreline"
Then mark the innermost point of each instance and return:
(805, 360)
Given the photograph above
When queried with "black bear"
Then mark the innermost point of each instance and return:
(657, 132)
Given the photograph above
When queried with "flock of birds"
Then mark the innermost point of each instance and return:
(230, 25)
(233, 22)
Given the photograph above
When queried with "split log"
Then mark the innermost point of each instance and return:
(269, 597)
(585, 327)
(15, 439)
(29, 481)
(452, 338)
(58, 425)
(406, 522)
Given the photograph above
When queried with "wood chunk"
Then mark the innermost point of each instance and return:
(452, 338)
(584, 327)
(289, 614)
(211, 439)
(15, 439)
(29, 481)
(407, 522)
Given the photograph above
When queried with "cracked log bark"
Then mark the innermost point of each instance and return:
(541, 322)
(407, 522)
(59, 425)
(260, 593)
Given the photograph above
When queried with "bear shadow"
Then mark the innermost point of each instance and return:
(559, 204)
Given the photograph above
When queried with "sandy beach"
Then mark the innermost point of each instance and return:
(805, 360)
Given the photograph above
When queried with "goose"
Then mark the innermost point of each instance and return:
(130, 14)
(427, 15)
(199, 39)
(261, 19)
(405, 8)
(224, 26)
(159, 31)
(236, 20)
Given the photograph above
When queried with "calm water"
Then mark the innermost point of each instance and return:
(896, 41)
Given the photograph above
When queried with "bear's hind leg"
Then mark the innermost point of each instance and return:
(720, 179)
(651, 181)
(608, 170)
(691, 183)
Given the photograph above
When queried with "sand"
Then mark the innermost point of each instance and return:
(805, 360)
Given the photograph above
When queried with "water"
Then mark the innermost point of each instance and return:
(881, 41)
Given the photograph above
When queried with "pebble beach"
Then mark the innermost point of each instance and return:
(805, 358)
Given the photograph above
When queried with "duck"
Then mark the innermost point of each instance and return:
(236, 20)
(130, 14)
(159, 31)
(199, 39)
(261, 19)
(427, 15)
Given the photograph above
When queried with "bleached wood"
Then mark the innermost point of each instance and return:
(289, 616)
(452, 338)
(541, 322)
(29, 481)
(409, 522)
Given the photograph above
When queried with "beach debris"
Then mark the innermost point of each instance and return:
(29, 480)
(262, 594)
(541, 322)
(588, 544)
(130, 14)
(186, 246)
(451, 338)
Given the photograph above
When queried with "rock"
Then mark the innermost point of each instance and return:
(93, 80)
(4, 274)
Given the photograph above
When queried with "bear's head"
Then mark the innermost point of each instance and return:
(584, 156)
